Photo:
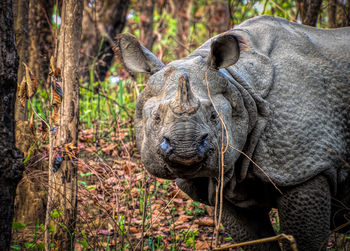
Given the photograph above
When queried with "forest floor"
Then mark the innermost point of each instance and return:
(122, 207)
(118, 186)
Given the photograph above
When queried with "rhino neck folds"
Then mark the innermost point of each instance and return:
(258, 110)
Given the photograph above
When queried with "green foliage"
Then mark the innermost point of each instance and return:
(56, 214)
(84, 243)
(85, 174)
(34, 244)
(17, 225)
(82, 182)
(106, 102)
(190, 237)
(15, 247)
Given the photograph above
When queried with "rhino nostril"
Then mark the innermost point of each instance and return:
(204, 143)
(165, 145)
(204, 137)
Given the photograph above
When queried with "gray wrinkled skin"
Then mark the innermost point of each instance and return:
(283, 92)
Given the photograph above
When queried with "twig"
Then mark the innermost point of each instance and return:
(332, 232)
(263, 12)
(182, 45)
(144, 211)
(31, 105)
(290, 238)
(223, 150)
(50, 178)
(285, 12)
(157, 217)
(220, 116)
(267, 176)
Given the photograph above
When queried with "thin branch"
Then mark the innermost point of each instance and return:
(144, 211)
(157, 217)
(31, 105)
(220, 116)
(267, 176)
(285, 12)
(290, 238)
(223, 150)
(332, 232)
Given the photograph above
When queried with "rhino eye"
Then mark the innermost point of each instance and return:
(156, 117)
(213, 116)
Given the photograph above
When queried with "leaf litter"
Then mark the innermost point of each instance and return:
(111, 201)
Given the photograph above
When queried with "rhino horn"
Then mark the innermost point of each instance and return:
(184, 101)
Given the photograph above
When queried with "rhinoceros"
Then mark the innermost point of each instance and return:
(264, 110)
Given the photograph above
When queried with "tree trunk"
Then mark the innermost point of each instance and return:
(332, 14)
(22, 39)
(102, 21)
(40, 37)
(30, 195)
(146, 27)
(63, 183)
(309, 10)
(11, 166)
(345, 13)
(218, 17)
(181, 10)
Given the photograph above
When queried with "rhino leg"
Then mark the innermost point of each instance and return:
(247, 225)
(304, 212)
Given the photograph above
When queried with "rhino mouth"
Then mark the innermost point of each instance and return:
(185, 157)
(184, 171)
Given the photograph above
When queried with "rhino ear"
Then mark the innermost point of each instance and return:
(224, 51)
(134, 56)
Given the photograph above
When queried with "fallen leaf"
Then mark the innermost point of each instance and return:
(202, 245)
(210, 211)
(205, 221)
(90, 149)
(134, 230)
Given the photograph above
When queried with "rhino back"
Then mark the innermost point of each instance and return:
(308, 96)
(308, 127)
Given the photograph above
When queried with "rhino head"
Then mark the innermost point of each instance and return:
(189, 112)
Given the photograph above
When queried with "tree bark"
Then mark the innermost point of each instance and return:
(63, 183)
(345, 14)
(181, 10)
(104, 19)
(11, 165)
(332, 14)
(309, 10)
(146, 27)
(218, 17)
(22, 39)
(40, 37)
(30, 195)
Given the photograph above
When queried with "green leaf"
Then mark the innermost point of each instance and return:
(27, 158)
(41, 246)
(16, 247)
(82, 182)
(84, 243)
(18, 225)
(56, 213)
(83, 234)
(29, 245)
(86, 174)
